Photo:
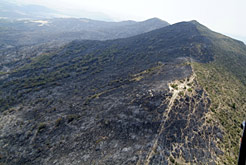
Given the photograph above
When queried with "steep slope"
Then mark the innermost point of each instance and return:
(21, 40)
(147, 99)
(224, 80)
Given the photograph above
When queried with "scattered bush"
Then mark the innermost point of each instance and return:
(175, 86)
(41, 126)
(58, 121)
(172, 159)
(213, 110)
(181, 93)
(72, 117)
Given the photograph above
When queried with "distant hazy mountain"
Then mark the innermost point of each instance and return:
(14, 10)
(17, 11)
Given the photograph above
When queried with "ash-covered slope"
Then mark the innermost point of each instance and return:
(137, 100)
(24, 39)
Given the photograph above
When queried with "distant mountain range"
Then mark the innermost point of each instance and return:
(68, 29)
(12, 10)
(173, 95)
(17, 11)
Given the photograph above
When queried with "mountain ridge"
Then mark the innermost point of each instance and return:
(154, 98)
(25, 39)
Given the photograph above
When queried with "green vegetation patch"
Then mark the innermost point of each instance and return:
(181, 93)
(189, 90)
(175, 86)
(228, 96)
(41, 126)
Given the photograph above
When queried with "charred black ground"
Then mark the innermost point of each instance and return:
(138, 100)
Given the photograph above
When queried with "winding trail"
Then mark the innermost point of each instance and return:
(175, 94)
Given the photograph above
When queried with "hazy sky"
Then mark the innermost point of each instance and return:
(225, 16)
